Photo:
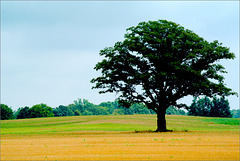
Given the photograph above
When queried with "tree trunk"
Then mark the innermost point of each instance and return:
(161, 121)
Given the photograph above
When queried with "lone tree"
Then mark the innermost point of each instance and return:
(160, 62)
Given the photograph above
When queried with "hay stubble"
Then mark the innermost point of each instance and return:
(122, 146)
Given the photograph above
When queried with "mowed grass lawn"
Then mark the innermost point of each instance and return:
(121, 137)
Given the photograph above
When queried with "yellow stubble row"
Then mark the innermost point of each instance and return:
(122, 146)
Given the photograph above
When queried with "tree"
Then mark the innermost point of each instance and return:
(201, 107)
(40, 110)
(23, 112)
(99, 110)
(139, 108)
(118, 112)
(160, 62)
(235, 113)
(109, 105)
(218, 107)
(63, 111)
(6, 112)
(173, 111)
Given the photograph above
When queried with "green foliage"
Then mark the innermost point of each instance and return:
(81, 107)
(105, 108)
(84, 107)
(164, 59)
(160, 62)
(99, 110)
(173, 111)
(118, 112)
(6, 112)
(23, 112)
(63, 111)
(236, 113)
(200, 107)
(40, 110)
(140, 108)
(218, 107)
(86, 112)
(108, 105)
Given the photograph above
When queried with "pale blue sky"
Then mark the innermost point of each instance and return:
(49, 49)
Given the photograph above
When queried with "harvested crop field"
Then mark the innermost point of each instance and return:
(122, 144)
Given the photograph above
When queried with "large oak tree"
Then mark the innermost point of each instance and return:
(160, 62)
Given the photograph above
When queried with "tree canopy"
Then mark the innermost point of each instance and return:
(160, 62)
(40, 110)
(6, 112)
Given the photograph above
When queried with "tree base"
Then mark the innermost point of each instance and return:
(163, 130)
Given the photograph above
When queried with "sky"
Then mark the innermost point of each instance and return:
(49, 48)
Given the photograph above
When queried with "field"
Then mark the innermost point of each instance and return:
(120, 138)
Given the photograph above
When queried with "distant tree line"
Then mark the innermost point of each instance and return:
(80, 108)
(39, 110)
(217, 107)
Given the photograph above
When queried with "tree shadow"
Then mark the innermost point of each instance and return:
(152, 131)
